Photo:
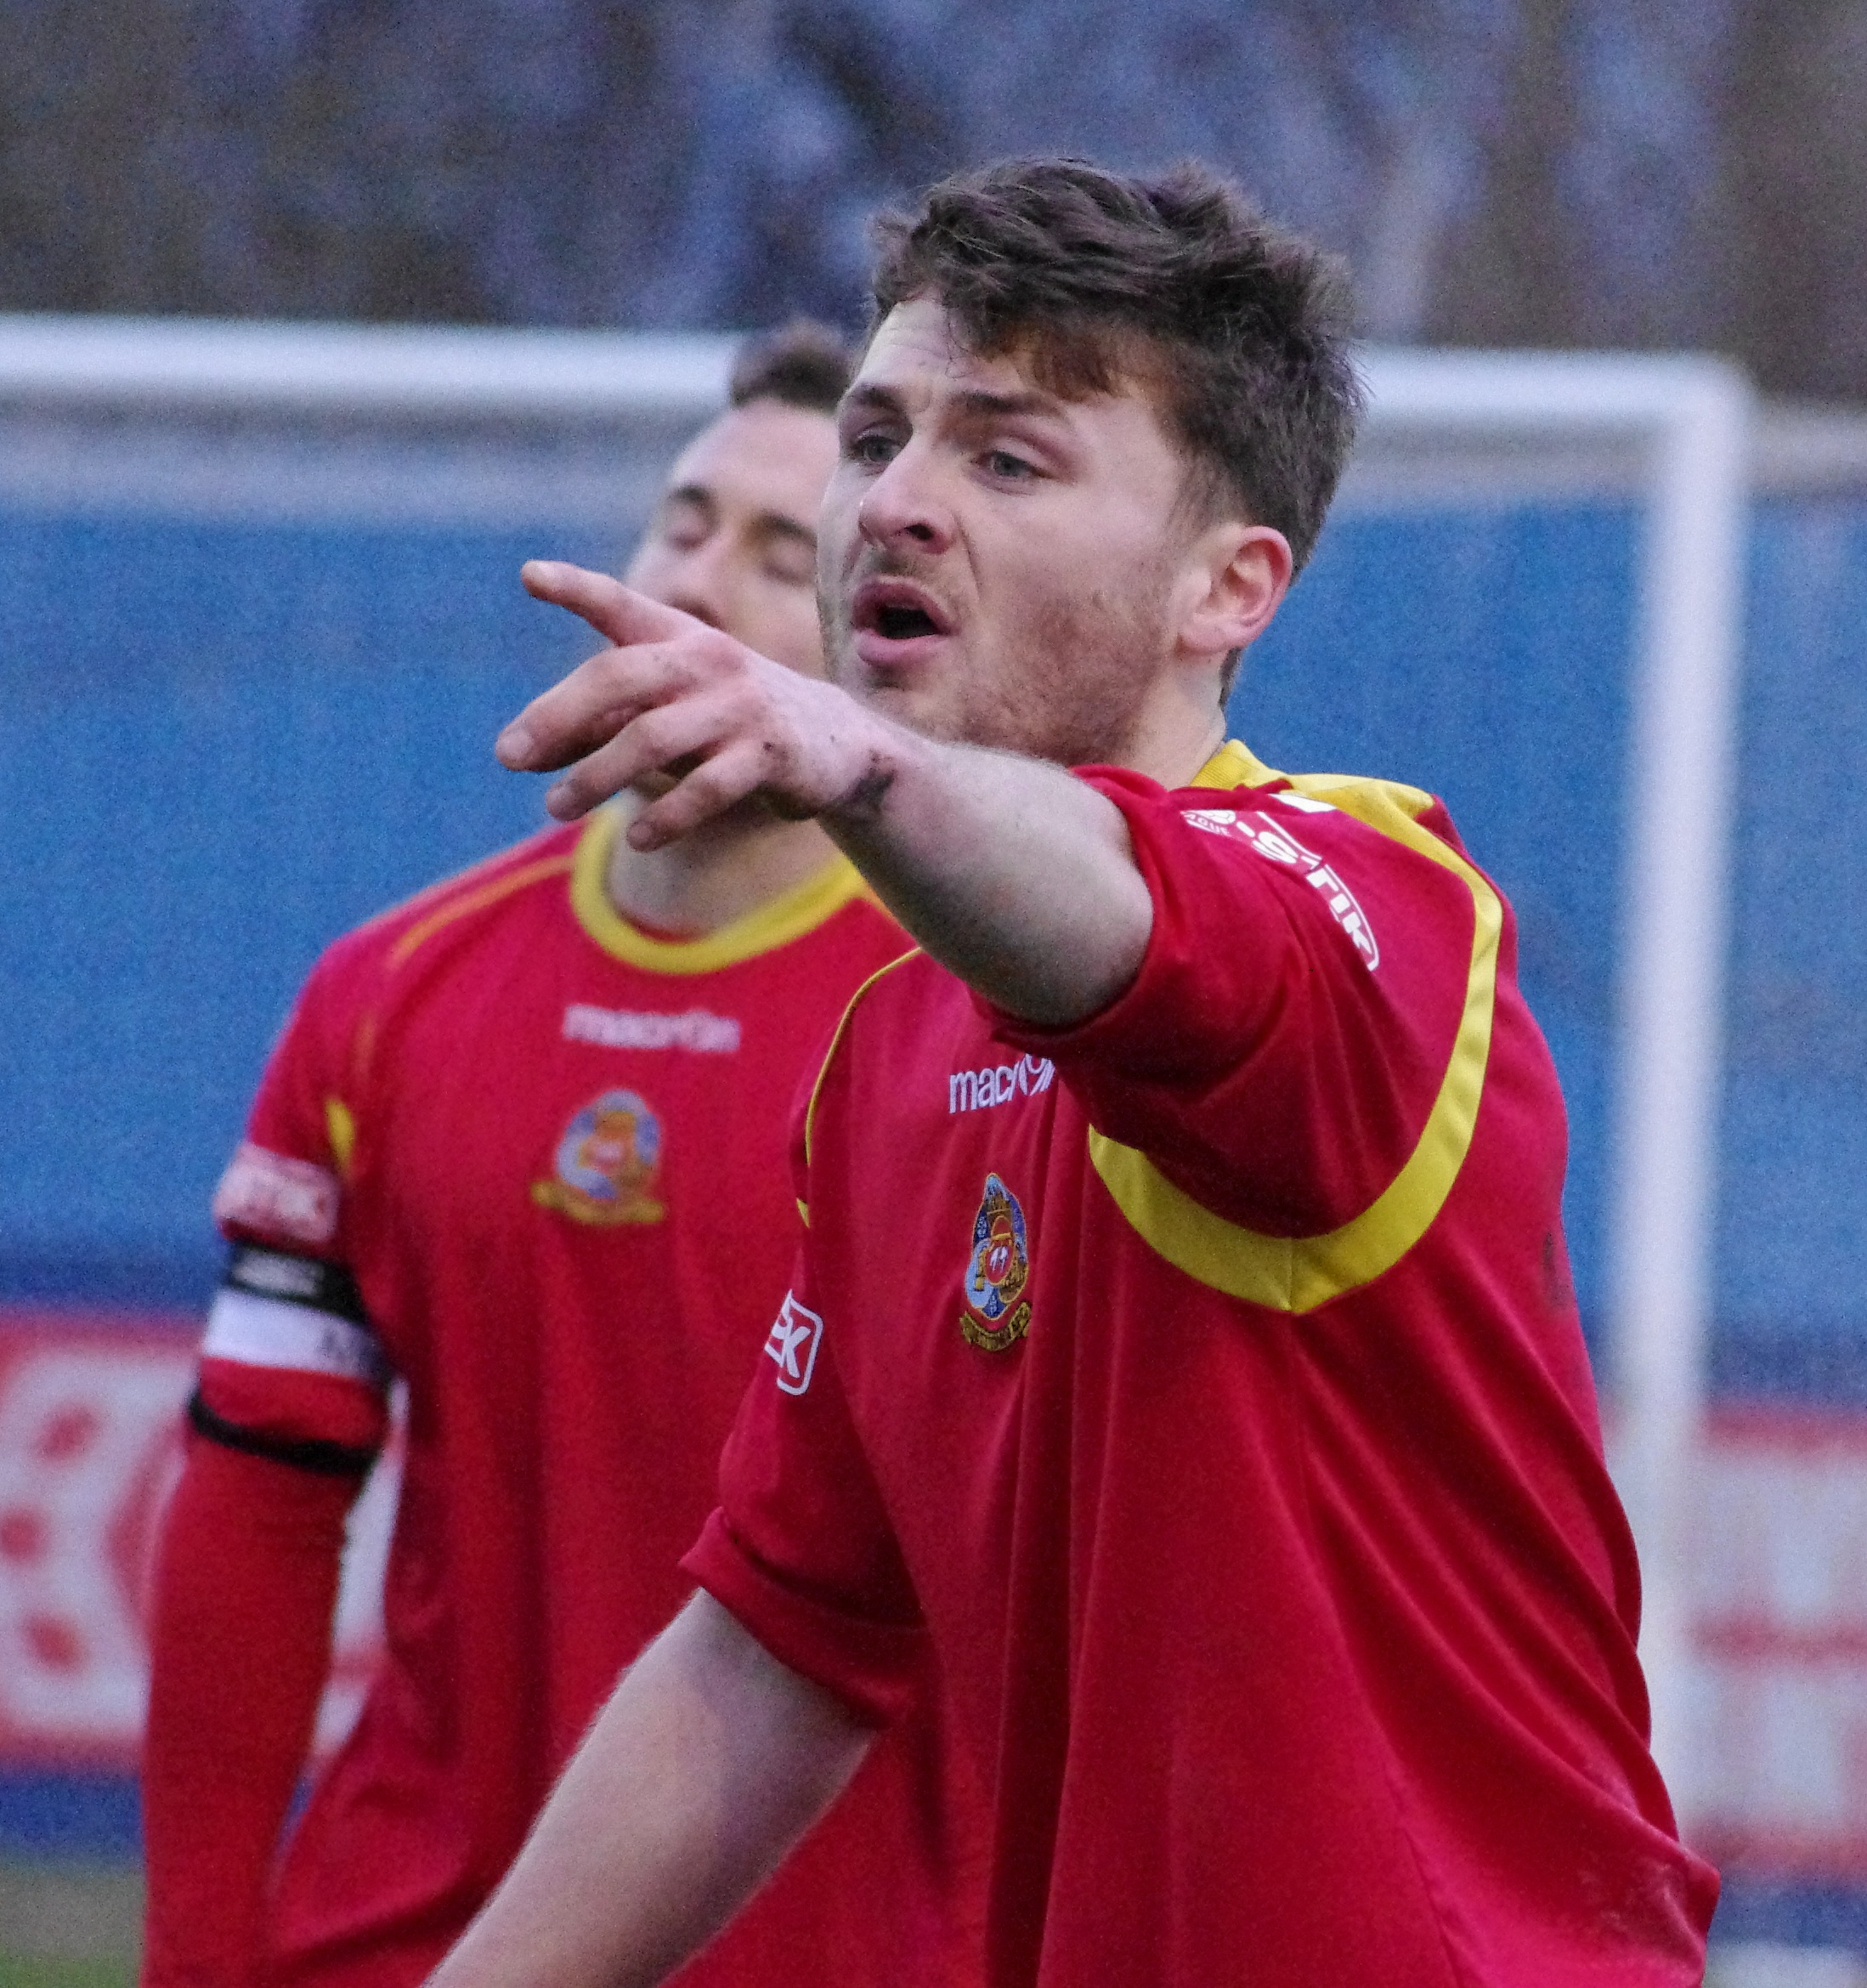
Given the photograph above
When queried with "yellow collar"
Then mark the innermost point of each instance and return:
(763, 929)
(1234, 765)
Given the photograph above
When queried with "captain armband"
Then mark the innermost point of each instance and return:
(300, 1315)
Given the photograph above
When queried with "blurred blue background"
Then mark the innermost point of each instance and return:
(221, 746)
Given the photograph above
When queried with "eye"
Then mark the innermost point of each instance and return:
(683, 526)
(873, 447)
(1008, 468)
(793, 562)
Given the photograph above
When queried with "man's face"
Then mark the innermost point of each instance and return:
(997, 564)
(734, 540)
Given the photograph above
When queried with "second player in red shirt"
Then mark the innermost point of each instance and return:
(525, 1154)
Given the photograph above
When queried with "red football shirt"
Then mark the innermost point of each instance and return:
(1205, 1384)
(550, 1151)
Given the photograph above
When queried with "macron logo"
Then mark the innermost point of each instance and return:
(978, 1091)
(618, 1028)
(792, 1345)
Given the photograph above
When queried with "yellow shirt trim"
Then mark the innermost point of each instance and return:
(475, 900)
(1296, 1274)
(830, 1056)
(340, 1125)
(764, 928)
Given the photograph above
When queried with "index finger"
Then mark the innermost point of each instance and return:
(613, 610)
(589, 706)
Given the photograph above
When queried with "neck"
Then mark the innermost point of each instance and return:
(1179, 730)
(719, 872)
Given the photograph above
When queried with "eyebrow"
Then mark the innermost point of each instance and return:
(975, 402)
(885, 400)
(1030, 401)
(776, 524)
(766, 525)
(690, 494)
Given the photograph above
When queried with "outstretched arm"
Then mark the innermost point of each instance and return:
(708, 1764)
(1014, 875)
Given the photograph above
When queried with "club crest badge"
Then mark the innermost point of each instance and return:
(607, 1163)
(998, 1313)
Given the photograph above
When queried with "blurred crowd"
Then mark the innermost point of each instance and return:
(1499, 171)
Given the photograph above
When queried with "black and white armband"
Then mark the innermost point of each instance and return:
(290, 1315)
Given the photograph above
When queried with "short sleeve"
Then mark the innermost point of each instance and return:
(800, 1549)
(1302, 1000)
(284, 1185)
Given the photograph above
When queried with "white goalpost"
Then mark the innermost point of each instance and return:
(1688, 418)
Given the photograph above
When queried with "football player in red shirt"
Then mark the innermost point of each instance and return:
(522, 1144)
(1180, 1346)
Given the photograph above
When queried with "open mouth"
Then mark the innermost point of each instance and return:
(896, 610)
(904, 623)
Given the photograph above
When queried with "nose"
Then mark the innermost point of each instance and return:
(903, 508)
(701, 584)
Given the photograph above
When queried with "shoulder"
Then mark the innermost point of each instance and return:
(1236, 798)
(1300, 820)
(540, 862)
(357, 976)
(471, 897)
(1391, 808)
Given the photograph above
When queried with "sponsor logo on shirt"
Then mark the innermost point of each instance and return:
(607, 1163)
(998, 1313)
(622, 1028)
(1272, 840)
(278, 1196)
(978, 1091)
(792, 1344)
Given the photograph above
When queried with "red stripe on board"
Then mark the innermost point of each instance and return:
(95, 1322)
(1793, 1856)
(1783, 1427)
(1755, 1641)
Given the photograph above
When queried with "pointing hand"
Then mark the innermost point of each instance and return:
(675, 697)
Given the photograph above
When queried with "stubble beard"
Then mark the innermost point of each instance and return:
(1069, 684)
(1086, 666)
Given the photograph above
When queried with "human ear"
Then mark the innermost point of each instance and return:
(1238, 576)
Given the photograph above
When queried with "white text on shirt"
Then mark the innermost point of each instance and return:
(1273, 840)
(621, 1029)
(977, 1091)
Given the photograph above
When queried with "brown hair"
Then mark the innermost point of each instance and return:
(802, 363)
(1238, 327)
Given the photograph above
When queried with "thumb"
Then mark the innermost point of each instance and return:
(616, 612)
